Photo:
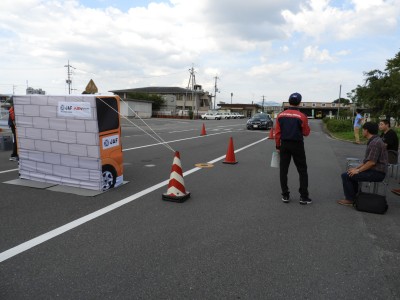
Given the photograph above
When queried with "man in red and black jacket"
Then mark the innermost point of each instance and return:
(290, 128)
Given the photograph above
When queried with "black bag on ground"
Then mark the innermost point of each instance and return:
(372, 203)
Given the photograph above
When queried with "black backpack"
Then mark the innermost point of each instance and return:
(372, 203)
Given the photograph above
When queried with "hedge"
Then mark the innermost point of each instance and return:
(334, 125)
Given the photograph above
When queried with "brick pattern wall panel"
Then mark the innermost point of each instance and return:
(60, 149)
(77, 150)
(90, 139)
(45, 168)
(95, 175)
(28, 165)
(57, 124)
(23, 100)
(33, 133)
(42, 123)
(44, 146)
(76, 125)
(36, 156)
(41, 101)
(49, 135)
(22, 121)
(62, 171)
(48, 111)
(80, 174)
(71, 182)
(91, 126)
(68, 137)
(23, 154)
(93, 151)
(70, 160)
(52, 158)
(27, 144)
(21, 132)
(53, 179)
(89, 163)
(18, 110)
(31, 110)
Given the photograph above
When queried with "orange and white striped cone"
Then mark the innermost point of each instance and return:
(176, 187)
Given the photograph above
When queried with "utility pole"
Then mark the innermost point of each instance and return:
(231, 97)
(191, 84)
(340, 94)
(215, 90)
(263, 104)
(69, 81)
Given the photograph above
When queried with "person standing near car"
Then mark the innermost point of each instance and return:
(291, 126)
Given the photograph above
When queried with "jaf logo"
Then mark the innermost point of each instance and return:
(110, 141)
(74, 109)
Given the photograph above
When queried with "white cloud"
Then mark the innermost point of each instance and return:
(256, 47)
(321, 21)
(313, 53)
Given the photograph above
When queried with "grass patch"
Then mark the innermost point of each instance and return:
(348, 136)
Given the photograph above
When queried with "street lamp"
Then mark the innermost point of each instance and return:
(231, 97)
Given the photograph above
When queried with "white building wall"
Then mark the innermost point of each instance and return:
(142, 109)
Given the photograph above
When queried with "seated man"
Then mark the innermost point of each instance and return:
(390, 139)
(373, 168)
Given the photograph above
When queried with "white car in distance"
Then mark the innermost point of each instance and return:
(226, 115)
(210, 116)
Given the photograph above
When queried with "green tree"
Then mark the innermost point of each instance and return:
(342, 101)
(381, 90)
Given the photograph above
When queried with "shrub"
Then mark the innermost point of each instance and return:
(334, 125)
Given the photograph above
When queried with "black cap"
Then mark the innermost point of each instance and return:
(295, 99)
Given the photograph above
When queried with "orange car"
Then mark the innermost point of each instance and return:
(108, 108)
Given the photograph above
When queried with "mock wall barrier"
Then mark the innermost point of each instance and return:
(70, 140)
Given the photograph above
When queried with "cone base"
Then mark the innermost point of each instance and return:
(230, 162)
(179, 199)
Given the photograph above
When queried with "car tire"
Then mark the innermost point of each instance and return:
(109, 177)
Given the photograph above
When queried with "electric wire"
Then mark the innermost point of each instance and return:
(159, 140)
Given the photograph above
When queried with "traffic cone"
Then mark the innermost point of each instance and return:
(203, 130)
(230, 154)
(176, 187)
(271, 133)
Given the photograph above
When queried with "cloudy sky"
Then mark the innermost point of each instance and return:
(256, 48)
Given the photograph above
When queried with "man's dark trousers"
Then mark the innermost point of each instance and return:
(288, 150)
(350, 184)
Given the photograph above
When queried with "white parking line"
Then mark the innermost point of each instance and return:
(174, 141)
(60, 230)
(6, 171)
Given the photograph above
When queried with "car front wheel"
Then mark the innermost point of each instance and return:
(109, 177)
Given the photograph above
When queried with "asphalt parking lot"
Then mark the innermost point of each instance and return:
(233, 239)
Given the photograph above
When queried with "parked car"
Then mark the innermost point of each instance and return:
(260, 121)
(225, 115)
(210, 116)
(238, 115)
